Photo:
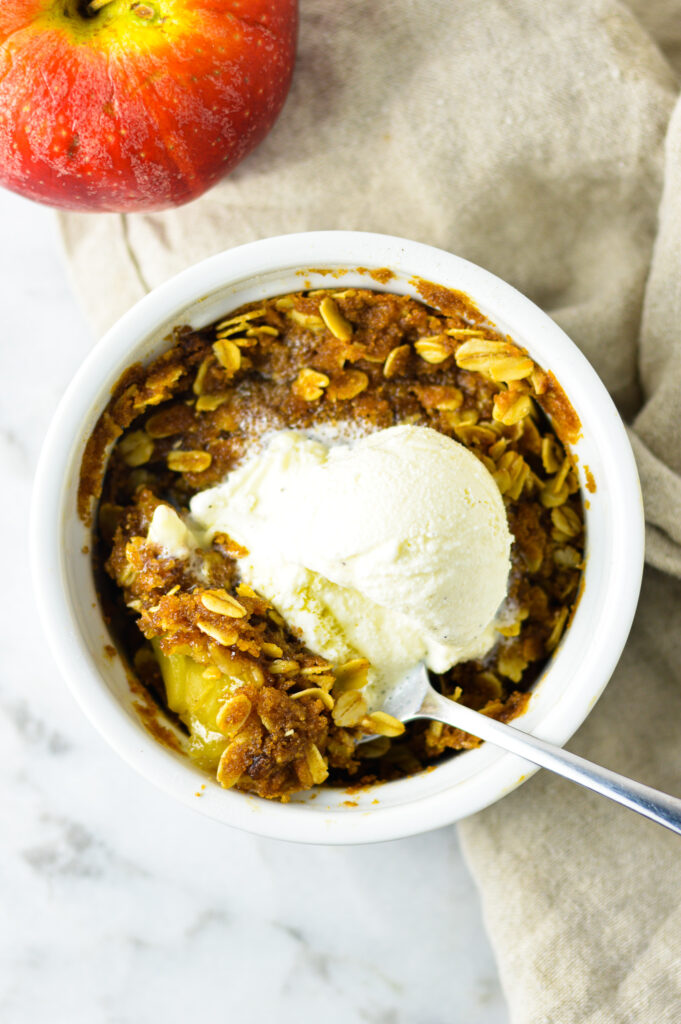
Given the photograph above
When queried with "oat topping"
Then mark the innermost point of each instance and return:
(261, 711)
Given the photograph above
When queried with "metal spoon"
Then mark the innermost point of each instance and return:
(414, 697)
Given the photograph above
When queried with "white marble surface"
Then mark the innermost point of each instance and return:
(118, 906)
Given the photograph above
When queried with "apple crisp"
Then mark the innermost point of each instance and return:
(259, 709)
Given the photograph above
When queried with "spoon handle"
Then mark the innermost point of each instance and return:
(651, 803)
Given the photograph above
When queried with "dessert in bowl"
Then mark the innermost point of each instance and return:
(303, 500)
(231, 490)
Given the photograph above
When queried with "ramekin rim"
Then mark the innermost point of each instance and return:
(382, 823)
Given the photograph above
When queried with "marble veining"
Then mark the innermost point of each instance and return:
(118, 906)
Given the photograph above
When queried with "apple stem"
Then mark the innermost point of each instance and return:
(96, 5)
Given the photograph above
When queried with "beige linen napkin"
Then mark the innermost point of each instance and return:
(530, 138)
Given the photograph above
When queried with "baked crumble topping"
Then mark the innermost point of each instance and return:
(261, 711)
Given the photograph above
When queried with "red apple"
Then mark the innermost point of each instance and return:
(119, 105)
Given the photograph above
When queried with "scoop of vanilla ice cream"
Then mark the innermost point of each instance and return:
(395, 547)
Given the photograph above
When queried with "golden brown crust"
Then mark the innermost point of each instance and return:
(352, 359)
(557, 405)
(448, 300)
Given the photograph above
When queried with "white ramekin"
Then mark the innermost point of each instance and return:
(569, 685)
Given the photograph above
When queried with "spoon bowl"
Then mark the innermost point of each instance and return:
(414, 697)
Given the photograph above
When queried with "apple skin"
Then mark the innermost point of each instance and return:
(141, 106)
